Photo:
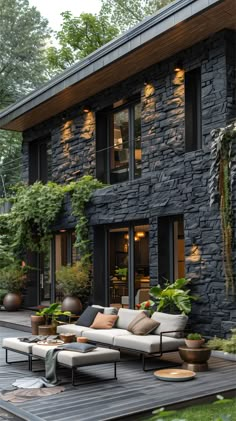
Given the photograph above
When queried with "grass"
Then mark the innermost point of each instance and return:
(221, 410)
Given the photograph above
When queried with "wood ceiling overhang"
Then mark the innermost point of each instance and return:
(177, 27)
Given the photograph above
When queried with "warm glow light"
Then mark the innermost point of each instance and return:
(178, 66)
(86, 109)
(126, 236)
(62, 230)
(136, 238)
(140, 234)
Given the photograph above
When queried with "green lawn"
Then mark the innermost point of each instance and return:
(221, 411)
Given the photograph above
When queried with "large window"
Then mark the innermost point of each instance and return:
(193, 125)
(39, 161)
(119, 143)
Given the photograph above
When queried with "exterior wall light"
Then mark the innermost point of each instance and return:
(178, 66)
(140, 234)
(86, 109)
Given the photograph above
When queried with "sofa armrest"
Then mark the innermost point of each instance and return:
(168, 331)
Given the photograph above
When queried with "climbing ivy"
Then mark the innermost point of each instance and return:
(223, 170)
(81, 193)
(34, 210)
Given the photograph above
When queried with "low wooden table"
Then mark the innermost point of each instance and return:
(195, 359)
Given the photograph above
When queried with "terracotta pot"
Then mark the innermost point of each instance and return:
(36, 321)
(194, 343)
(72, 304)
(67, 337)
(12, 301)
(82, 339)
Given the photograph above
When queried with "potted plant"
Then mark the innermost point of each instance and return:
(194, 340)
(12, 279)
(46, 316)
(173, 298)
(122, 273)
(74, 283)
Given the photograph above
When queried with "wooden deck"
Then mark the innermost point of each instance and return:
(135, 391)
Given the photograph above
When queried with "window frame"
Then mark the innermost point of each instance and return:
(193, 110)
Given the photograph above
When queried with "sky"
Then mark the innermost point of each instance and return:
(51, 9)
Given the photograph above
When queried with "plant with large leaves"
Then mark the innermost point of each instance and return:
(223, 169)
(172, 298)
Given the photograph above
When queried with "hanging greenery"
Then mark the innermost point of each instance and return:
(81, 193)
(34, 211)
(222, 174)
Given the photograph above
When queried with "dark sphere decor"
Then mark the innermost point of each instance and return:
(12, 301)
(72, 304)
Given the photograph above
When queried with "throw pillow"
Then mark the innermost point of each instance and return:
(170, 322)
(107, 310)
(104, 321)
(78, 347)
(142, 325)
(88, 316)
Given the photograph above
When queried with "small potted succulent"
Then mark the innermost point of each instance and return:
(194, 340)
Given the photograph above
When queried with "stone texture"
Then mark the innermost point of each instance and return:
(173, 182)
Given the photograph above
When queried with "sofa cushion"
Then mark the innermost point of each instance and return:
(149, 343)
(107, 310)
(104, 321)
(170, 322)
(72, 328)
(105, 336)
(15, 343)
(88, 316)
(125, 317)
(77, 347)
(142, 324)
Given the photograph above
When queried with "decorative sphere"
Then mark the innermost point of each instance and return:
(12, 301)
(72, 304)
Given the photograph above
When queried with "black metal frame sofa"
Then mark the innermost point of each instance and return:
(167, 337)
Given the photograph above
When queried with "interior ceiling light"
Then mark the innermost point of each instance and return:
(140, 234)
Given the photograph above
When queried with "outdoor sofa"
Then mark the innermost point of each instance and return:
(167, 337)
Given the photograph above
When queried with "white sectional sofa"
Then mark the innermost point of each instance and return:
(167, 337)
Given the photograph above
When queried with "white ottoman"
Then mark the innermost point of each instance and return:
(15, 345)
(74, 359)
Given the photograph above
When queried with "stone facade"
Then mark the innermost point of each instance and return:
(173, 182)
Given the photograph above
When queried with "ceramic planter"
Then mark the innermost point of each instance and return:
(194, 343)
(12, 301)
(36, 321)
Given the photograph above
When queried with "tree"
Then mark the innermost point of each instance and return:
(127, 13)
(23, 66)
(80, 36)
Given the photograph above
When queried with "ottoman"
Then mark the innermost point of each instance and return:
(74, 360)
(15, 345)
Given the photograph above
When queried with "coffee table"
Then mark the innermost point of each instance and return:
(195, 359)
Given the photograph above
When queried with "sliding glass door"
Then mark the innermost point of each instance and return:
(128, 265)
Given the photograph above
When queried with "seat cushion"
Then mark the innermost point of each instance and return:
(71, 358)
(142, 324)
(17, 345)
(105, 336)
(170, 322)
(125, 317)
(72, 328)
(88, 316)
(149, 343)
(104, 321)
(107, 310)
(98, 355)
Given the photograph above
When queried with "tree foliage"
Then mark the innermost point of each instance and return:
(23, 66)
(80, 36)
(127, 13)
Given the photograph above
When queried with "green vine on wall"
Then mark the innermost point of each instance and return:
(29, 225)
(222, 174)
(81, 193)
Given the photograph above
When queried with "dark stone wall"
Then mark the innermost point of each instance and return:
(173, 182)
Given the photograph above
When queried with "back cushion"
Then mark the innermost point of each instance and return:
(88, 316)
(125, 317)
(106, 310)
(170, 322)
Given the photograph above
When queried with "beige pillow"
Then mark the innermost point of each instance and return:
(142, 324)
(104, 321)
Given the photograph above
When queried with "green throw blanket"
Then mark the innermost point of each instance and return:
(51, 365)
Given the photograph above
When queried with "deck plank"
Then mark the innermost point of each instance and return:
(134, 391)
